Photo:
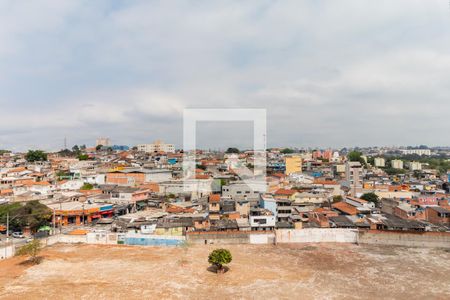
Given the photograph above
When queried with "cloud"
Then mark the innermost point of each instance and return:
(329, 73)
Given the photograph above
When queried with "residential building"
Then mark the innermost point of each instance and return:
(157, 146)
(354, 176)
(214, 207)
(261, 219)
(379, 162)
(417, 152)
(293, 164)
(414, 166)
(397, 164)
(438, 215)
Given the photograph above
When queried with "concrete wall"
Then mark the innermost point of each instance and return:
(7, 251)
(218, 238)
(153, 240)
(262, 238)
(63, 238)
(235, 237)
(407, 239)
(101, 238)
(316, 235)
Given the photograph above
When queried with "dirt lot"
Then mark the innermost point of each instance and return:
(257, 272)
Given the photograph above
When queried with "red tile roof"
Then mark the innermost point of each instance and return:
(285, 192)
(345, 208)
(214, 198)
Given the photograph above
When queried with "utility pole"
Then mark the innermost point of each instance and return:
(54, 221)
(7, 226)
(60, 216)
(83, 214)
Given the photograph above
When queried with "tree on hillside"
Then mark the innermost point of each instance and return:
(36, 155)
(76, 149)
(371, 197)
(232, 150)
(337, 198)
(356, 156)
(87, 186)
(32, 250)
(220, 257)
(83, 157)
(287, 151)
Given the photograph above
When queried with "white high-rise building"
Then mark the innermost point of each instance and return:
(415, 166)
(157, 146)
(397, 164)
(379, 162)
(417, 151)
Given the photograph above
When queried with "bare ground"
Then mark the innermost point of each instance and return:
(321, 271)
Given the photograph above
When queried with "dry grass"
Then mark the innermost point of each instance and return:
(257, 272)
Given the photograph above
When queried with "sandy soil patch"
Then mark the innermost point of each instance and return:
(321, 271)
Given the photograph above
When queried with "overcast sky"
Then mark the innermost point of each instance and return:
(329, 73)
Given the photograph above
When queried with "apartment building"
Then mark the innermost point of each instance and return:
(354, 175)
(397, 164)
(380, 162)
(157, 146)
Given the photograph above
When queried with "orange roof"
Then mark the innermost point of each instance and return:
(201, 176)
(279, 175)
(285, 192)
(324, 182)
(35, 183)
(6, 191)
(345, 208)
(214, 198)
(18, 169)
(78, 232)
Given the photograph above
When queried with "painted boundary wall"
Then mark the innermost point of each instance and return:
(233, 237)
(154, 240)
(7, 251)
(317, 235)
(406, 239)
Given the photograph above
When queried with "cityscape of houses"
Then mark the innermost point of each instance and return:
(142, 191)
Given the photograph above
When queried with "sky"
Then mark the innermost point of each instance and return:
(329, 73)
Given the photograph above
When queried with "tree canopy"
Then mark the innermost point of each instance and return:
(83, 157)
(32, 214)
(232, 150)
(356, 156)
(31, 249)
(87, 186)
(36, 155)
(371, 197)
(220, 257)
(287, 151)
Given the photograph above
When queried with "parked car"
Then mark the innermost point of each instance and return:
(18, 235)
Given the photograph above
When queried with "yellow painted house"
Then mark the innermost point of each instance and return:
(293, 164)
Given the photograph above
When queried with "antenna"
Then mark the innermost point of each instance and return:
(65, 143)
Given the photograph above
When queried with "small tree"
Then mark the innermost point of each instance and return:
(87, 187)
(287, 151)
(232, 150)
(220, 257)
(32, 250)
(371, 197)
